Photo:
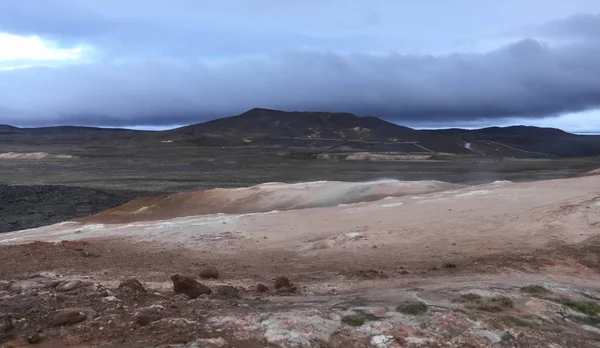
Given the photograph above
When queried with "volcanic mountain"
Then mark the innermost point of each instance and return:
(325, 130)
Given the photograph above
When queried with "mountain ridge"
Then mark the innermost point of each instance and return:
(268, 127)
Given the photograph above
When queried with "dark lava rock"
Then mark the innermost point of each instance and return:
(262, 288)
(280, 282)
(5, 324)
(68, 317)
(133, 285)
(69, 285)
(228, 291)
(189, 286)
(4, 285)
(35, 338)
(209, 273)
(181, 340)
(289, 289)
(143, 319)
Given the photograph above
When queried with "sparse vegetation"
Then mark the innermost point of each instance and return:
(521, 322)
(413, 308)
(535, 290)
(586, 307)
(496, 304)
(450, 265)
(353, 320)
(470, 297)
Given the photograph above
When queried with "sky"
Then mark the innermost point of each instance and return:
(428, 63)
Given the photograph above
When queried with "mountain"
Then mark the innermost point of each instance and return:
(275, 123)
(552, 141)
(314, 129)
(324, 130)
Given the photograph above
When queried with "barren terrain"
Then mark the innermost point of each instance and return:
(382, 263)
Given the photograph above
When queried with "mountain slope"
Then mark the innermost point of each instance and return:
(552, 141)
(275, 123)
(264, 127)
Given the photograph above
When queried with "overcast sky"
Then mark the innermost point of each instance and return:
(427, 63)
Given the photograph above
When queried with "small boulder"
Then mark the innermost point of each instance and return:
(289, 289)
(132, 285)
(142, 319)
(280, 282)
(209, 273)
(181, 339)
(228, 291)
(262, 288)
(34, 339)
(4, 285)
(69, 285)
(5, 324)
(189, 286)
(68, 317)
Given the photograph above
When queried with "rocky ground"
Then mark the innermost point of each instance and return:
(81, 294)
(498, 265)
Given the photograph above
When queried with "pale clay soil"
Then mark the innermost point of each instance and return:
(348, 248)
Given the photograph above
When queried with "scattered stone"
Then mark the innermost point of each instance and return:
(69, 285)
(133, 285)
(68, 317)
(4, 285)
(35, 338)
(188, 286)
(450, 265)
(280, 282)
(262, 288)
(209, 273)
(88, 254)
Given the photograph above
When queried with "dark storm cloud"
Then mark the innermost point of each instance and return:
(583, 26)
(192, 61)
(526, 79)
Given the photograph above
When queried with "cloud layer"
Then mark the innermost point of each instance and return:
(173, 70)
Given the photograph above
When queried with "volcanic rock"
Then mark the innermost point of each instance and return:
(280, 282)
(228, 291)
(35, 338)
(189, 286)
(68, 317)
(5, 324)
(209, 273)
(143, 319)
(133, 285)
(69, 285)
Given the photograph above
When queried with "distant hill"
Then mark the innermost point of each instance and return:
(265, 127)
(552, 141)
(275, 123)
